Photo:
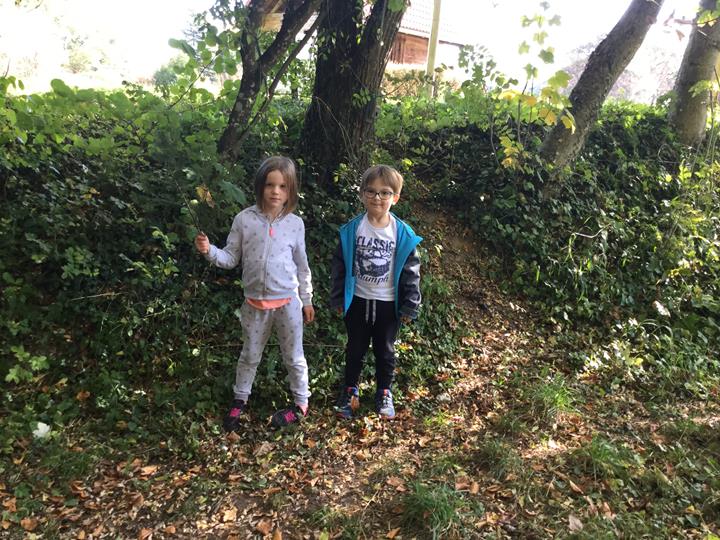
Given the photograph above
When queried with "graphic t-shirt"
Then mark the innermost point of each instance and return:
(374, 260)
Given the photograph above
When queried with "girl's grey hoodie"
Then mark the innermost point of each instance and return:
(274, 262)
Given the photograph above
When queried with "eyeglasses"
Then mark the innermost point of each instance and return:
(383, 195)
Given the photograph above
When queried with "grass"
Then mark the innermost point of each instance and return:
(497, 458)
(548, 399)
(433, 511)
(606, 460)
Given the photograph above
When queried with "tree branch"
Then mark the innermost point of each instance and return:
(278, 76)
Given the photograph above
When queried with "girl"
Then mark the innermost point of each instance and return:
(269, 241)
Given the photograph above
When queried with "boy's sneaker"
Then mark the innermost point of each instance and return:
(232, 419)
(384, 404)
(288, 416)
(348, 402)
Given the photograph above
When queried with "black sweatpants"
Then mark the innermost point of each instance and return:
(366, 321)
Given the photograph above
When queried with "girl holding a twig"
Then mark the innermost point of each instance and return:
(269, 241)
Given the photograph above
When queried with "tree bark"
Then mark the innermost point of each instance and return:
(340, 121)
(606, 64)
(688, 111)
(256, 65)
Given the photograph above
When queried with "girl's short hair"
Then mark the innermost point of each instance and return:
(286, 166)
(389, 176)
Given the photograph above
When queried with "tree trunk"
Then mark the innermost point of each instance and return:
(256, 65)
(606, 64)
(340, 122)
(688, 111)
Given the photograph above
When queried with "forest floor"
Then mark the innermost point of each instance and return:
(506, 442)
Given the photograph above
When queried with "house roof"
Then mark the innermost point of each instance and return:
(417, 21)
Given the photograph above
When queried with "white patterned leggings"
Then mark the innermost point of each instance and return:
(256, 327)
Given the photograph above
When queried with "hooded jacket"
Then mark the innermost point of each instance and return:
(274, 262)
(406, 273)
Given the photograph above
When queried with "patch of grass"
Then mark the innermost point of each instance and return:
(623, 525)
(549, 398)
(444, 464)
(510, 423)
(497, 458)
(698, 434)
(438, 420)
(605, 460)
(337, 524)
(432, 511)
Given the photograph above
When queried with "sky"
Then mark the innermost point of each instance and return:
(134, 33)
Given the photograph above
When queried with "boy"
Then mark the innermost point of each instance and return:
(376, 284)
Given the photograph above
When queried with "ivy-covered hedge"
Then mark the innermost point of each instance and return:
(103, 296)
(624, 248)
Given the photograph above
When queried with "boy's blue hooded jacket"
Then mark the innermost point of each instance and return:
(406, 273)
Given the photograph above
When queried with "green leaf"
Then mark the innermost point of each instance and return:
(183, 45)
(524, 48)
(547, 55)
(233, 192)
(559, 80)
(396, 5)
(60, 88)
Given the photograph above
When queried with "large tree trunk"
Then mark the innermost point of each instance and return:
(340, 122)
(606, 64)
(256, 65)
(688, 111)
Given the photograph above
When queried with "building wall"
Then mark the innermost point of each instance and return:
(409, 49)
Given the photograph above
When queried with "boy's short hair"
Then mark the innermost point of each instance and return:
(389, 176)
(286, 166)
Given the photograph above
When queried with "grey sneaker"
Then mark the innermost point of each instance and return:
(384, 404)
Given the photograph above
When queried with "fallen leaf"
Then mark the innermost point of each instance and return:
(263, 449)
(264, 526)
(474, 488)
(148, 470)
(229, 515)
(232, 436)
(5, 525)
(277, 535)
(145, 534)
(393, 533)
(29, 524)
(11, 504)
(395, 482)
(574, 523)
(82, 395)
(81, 535)
(170, 529)
(576, 488)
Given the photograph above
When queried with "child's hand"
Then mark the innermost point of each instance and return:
(202, 244)
(308, 314)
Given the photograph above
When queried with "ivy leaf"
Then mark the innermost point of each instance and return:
(524, 48)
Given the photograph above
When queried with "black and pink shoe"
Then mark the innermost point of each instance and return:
(232, 419)
(288, 416)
